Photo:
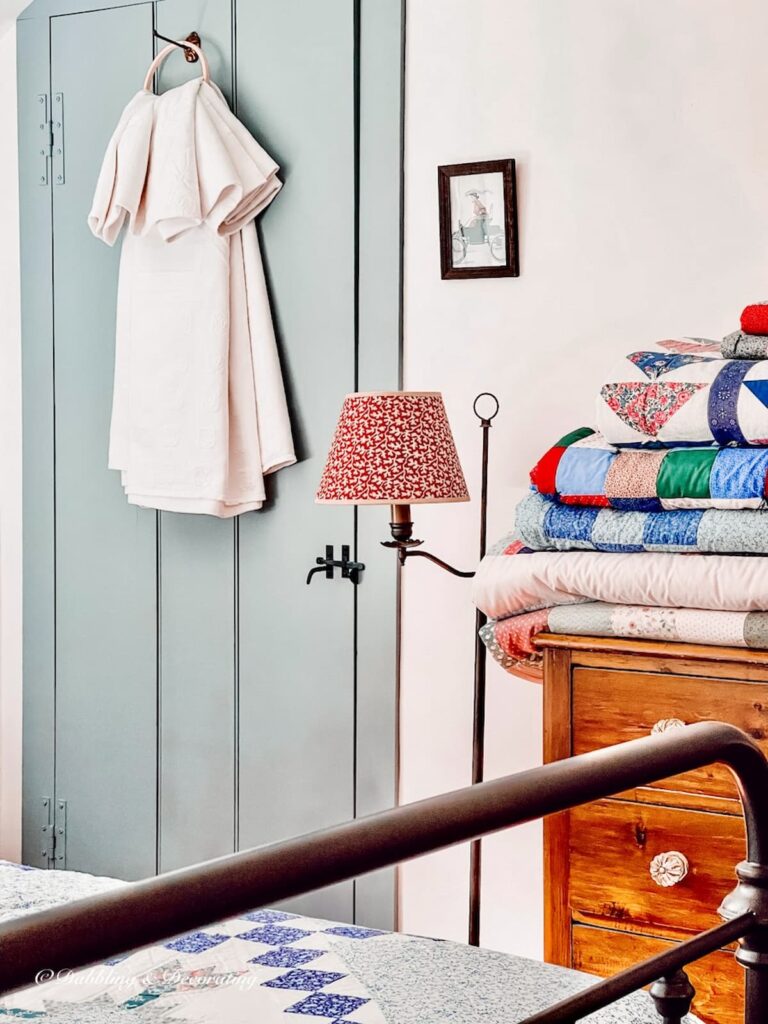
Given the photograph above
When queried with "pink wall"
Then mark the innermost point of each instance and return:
(638, 130)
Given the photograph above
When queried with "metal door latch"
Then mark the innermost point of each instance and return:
(329, 565)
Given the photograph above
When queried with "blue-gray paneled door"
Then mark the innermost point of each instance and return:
(185, 693)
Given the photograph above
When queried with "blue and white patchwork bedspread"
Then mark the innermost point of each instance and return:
(546, 525)
(272, 967)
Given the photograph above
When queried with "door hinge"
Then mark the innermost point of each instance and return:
(45, 144)
(53, 847)
(57, 138)
(60, 835)
(47, 839)
(50, 158)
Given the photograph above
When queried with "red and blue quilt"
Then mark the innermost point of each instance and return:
(584, 469)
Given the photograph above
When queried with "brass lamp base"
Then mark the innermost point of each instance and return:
(401, 527)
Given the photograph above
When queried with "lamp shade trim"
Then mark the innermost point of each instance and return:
(392, 448)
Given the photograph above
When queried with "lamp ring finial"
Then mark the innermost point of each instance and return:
(486, 394)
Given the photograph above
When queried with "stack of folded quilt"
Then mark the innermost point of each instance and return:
(648, 525)
(751, 342)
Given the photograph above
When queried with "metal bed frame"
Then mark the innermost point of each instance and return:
(101, 927)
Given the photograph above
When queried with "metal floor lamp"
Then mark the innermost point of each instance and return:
(396, 448)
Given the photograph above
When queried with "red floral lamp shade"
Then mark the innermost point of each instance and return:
(392, 448)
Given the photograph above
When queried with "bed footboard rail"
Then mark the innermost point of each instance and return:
(151, 911)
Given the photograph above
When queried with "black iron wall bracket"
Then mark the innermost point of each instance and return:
(405, 551)
(329, 565)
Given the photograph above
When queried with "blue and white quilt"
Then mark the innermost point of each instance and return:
(681, 392)
(546, 525)
(273, 967)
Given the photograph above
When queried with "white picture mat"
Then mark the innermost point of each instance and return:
(477, 220)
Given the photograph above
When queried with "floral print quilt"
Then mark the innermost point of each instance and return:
(682, 392)
(274, 967)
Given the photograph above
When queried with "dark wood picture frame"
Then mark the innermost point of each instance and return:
(510, 266)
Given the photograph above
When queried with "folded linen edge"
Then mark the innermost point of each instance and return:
(279, 462)
(201, 506)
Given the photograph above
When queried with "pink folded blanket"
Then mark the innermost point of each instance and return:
(698, 598)
(512, 579)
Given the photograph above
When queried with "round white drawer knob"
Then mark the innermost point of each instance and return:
(665, 724)
(668, 869)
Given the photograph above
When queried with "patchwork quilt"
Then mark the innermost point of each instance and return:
(546, 525)
(511, 641)
(272, 967)
(698, 598)
(584, 469)
(681, 392)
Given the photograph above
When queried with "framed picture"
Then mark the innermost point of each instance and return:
(478, 219)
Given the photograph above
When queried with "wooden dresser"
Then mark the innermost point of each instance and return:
(625, 877)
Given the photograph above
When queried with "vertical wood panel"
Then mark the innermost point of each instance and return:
(105, 549)
(381, 57)
(197, 585)
(301, 758)
(295, 87)
(37, 372)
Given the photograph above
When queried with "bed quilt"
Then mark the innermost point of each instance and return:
(584, 469)
(696, 598)
(546, 525)
(272, 967)
(511, 641)
(673, 394)
(513, 579)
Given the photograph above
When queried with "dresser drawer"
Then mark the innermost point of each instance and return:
(612, 846)
(718, 979)
(613, 706)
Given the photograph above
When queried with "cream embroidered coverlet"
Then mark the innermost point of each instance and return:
(511, 580)
(199, 413)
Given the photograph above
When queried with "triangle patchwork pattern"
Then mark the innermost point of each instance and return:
(647, 407)
(690, 345)
(759, 389)
(656, 364)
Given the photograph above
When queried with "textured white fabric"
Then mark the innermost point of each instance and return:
(199, 413)
(507, 585)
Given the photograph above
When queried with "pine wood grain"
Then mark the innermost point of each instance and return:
(615, 706)
(718, 979)
(612, 843)
(622, 647)
(598, 692)
(670, 797)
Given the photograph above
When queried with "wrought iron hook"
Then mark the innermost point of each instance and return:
(189, 54)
